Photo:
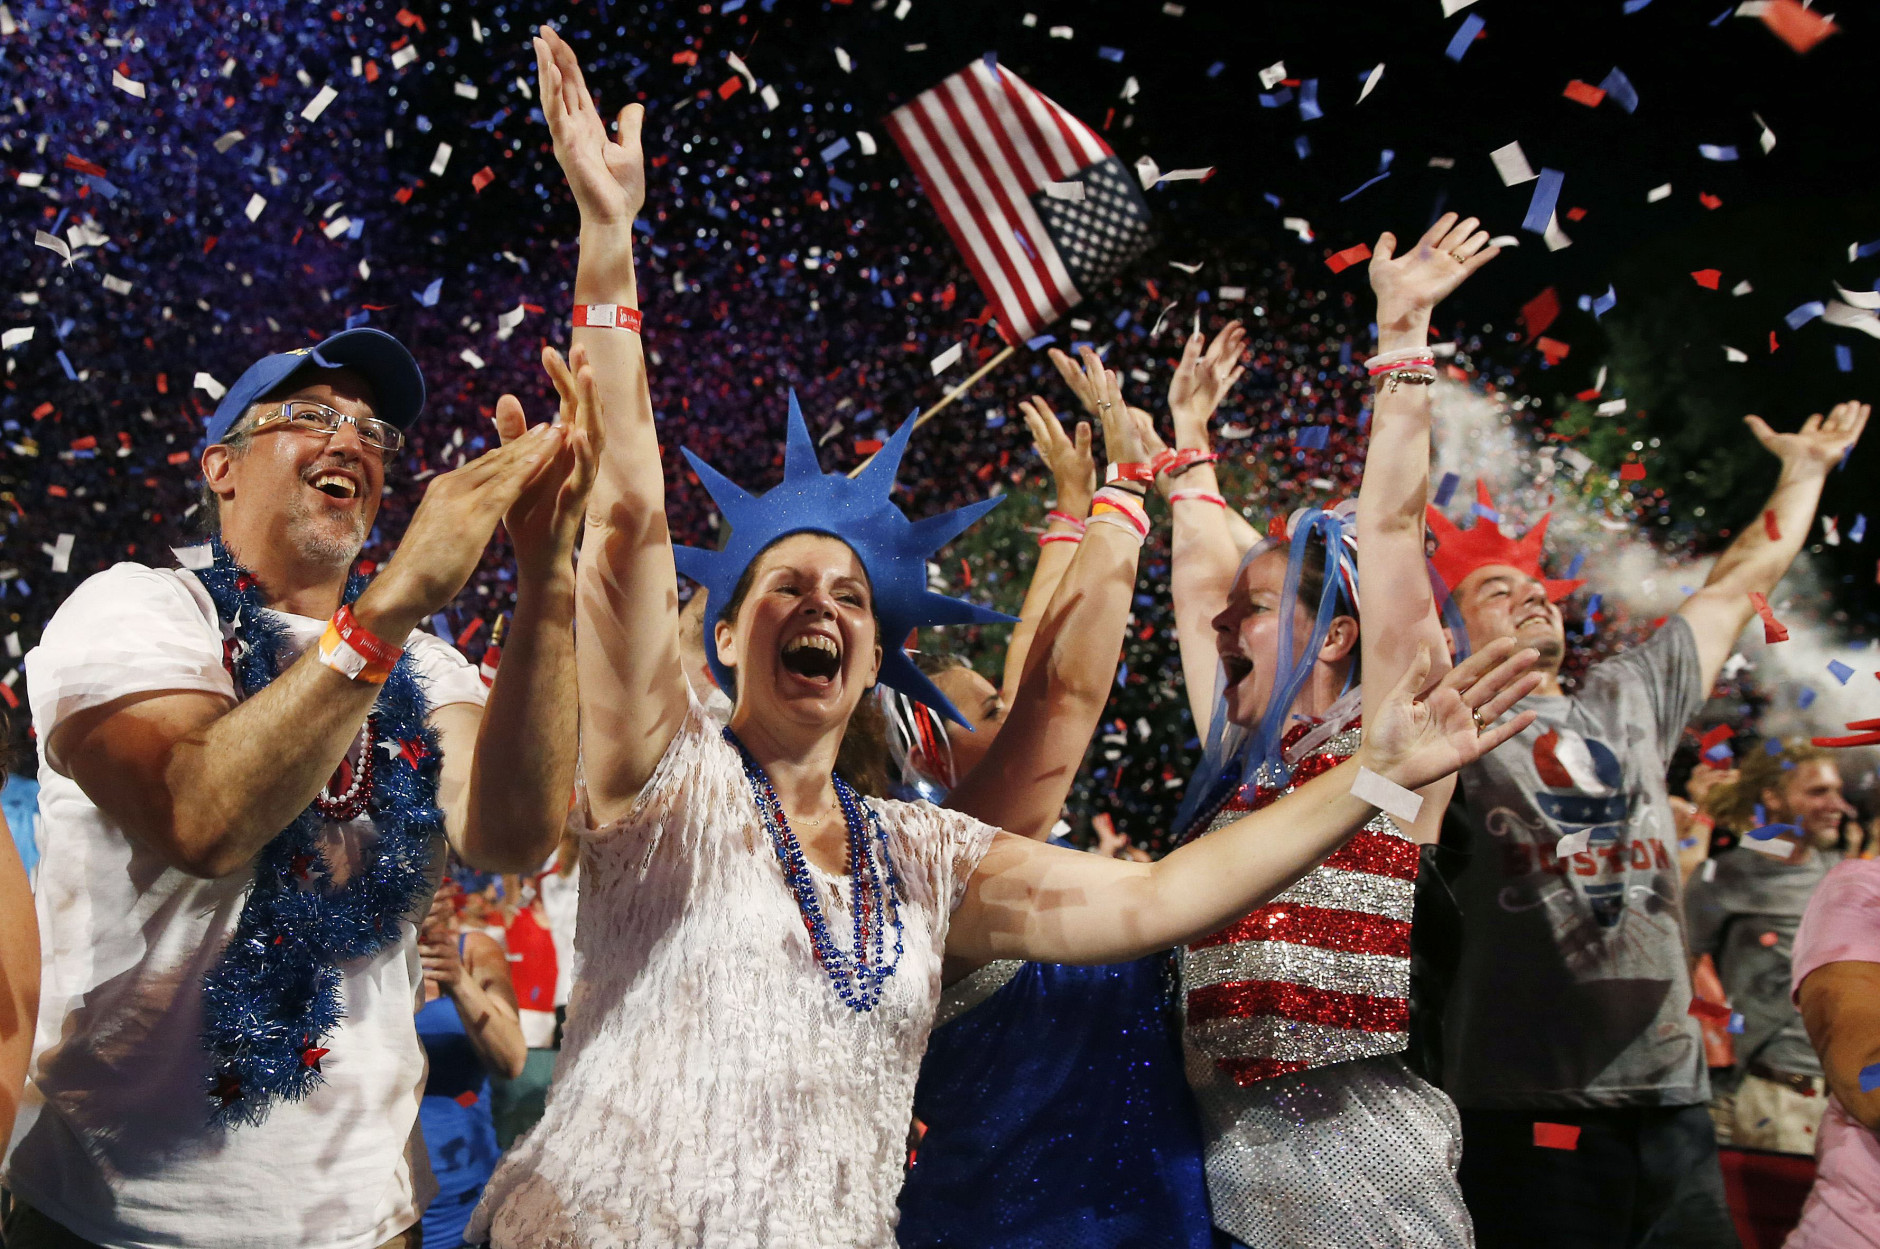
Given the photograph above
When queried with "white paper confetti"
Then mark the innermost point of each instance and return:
(1512, 164)
(1555, 238)
(843, 60)
(116, 285)
(1062, 32)
(404, 56)
(1147, 171)
(1572, 843)
(127, 85)
(947, 359)
(738, 66)
(1442, 162)
(1848, 317)
(1742, 288)
(253, 209)
(865, 143)
(52, 243)
(441, 159)
(1131, 89)
(1029, 20)
(1188, 269)
(769, 95)
(465, 90)
(1612, 407)
(194, 557)
(336, 227)
(1734, 356)
(1453, 7)
(1299, 226)
(1504, 240)
(1272, 74)
(1370, 81)
(1859, 299)
(60, 552)
(14, 337)
(470, 358)
(30, 179)
(13, 644)
(1775, 847)
(1072, 191)
(901, 10)
(205, 382)
(229, 140)
(1768, 137)
(1228, 294)
(1657, 193)
(506, 323)
(317, 105)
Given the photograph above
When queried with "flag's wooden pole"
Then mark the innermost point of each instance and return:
(951, 395)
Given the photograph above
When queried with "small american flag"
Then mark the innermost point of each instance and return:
(1040, 206)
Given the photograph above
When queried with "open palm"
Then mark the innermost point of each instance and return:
(545, 520)
(608, 176)
(1820, 443)
(1418, 738)
(1435, 265)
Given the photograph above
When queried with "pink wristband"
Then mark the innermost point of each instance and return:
(1059, 537)
(1073, 521)
(1204, 496)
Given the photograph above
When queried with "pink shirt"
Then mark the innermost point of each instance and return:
(1842, 925)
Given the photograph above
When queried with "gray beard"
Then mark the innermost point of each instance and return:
(321, 539)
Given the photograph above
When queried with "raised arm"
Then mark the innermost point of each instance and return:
(1205, 550)
(1075, 474)
(633, 694)
(1399, 610)
(1756, 561)
(19, 979)
(1031, 900)
(1021, 785)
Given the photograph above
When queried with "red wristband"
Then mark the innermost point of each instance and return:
(1128, 471)
(607, 317)
(376, 649)
(1175, 461)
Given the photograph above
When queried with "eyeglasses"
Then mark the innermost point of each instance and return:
(317, 418)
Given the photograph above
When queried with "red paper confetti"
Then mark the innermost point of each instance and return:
(1631, 472)
(1773, 344)
(1773, 631)
(1722, 733)
(1770, 526)
(1556, 1136)
(1708, 200)
(729, 87)
(1868, 734)
(1553, 349)
(1338, 262)
(1539, 312)
(482, 178)
(1796, 26)
(1700, 1009)
(1584, 93)
(1707, 278)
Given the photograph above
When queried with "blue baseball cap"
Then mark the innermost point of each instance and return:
(381, 359)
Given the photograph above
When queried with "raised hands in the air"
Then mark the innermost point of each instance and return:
(545, 520)
(1413, 283)
(1820, 443)
(1416, 738)
(607, 176)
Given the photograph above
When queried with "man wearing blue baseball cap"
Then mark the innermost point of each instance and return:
(251, 765)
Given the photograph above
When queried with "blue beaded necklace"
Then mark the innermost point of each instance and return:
(861, 973)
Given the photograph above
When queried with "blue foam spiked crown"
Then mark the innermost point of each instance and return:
(858, 512)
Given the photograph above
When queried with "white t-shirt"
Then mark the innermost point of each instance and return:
(113, 1139)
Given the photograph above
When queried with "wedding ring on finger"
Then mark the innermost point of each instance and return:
(1481, 726)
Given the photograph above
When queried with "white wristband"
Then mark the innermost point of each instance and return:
(1387, 796)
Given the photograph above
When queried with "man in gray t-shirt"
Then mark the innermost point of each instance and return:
(1744, 911)
(1567, 1041)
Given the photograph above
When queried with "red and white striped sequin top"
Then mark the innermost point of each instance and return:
(1321, 974)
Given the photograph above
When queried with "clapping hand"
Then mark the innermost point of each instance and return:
(545, 519)
(1069, 459)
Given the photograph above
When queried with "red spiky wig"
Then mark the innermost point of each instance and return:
(1460, 552)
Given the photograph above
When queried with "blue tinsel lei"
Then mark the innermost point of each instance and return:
(273, 996)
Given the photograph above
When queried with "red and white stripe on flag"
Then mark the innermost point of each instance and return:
(984, 142)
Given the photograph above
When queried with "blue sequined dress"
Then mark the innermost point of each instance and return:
(1057, 1115)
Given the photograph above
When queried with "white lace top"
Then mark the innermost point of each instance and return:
(712, 1089)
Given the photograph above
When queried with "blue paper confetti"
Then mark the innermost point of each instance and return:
(1859, 530)
(1541, 207)
(1870, 1077)
(1839, 671)
(1769, 832)
(1362, 187)
(1464, 36)
(1486, 512)
(1301, 146)
(1111, 54)
(1602, 304)
(1632, 6)
(1620, 90)
(1867, 249)
(427, 298)
(1214, 70)
(1805, 698)
(1716, 151)
(1573, 569)
(1042, 341)
(1446, 489)
(1309, 109)
(1589, 625)
(1313, 437)
(1276, 99)
(1843, 358)
(1772, 746)
(1802, 314)
(1735, 1026)
(835, 149)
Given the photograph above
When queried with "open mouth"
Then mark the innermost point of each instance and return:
(335, 485)
(813, 657)
(1237, 668)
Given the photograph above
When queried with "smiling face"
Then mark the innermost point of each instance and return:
(1810, 798)
(802, 641)
(317, 493)
(978, 700)
(1501, 601)
(1247, 635)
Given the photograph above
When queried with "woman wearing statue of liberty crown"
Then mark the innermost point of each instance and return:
(761, 946)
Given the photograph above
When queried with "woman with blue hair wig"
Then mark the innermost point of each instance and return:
(1296, 1014)
(760, 946)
